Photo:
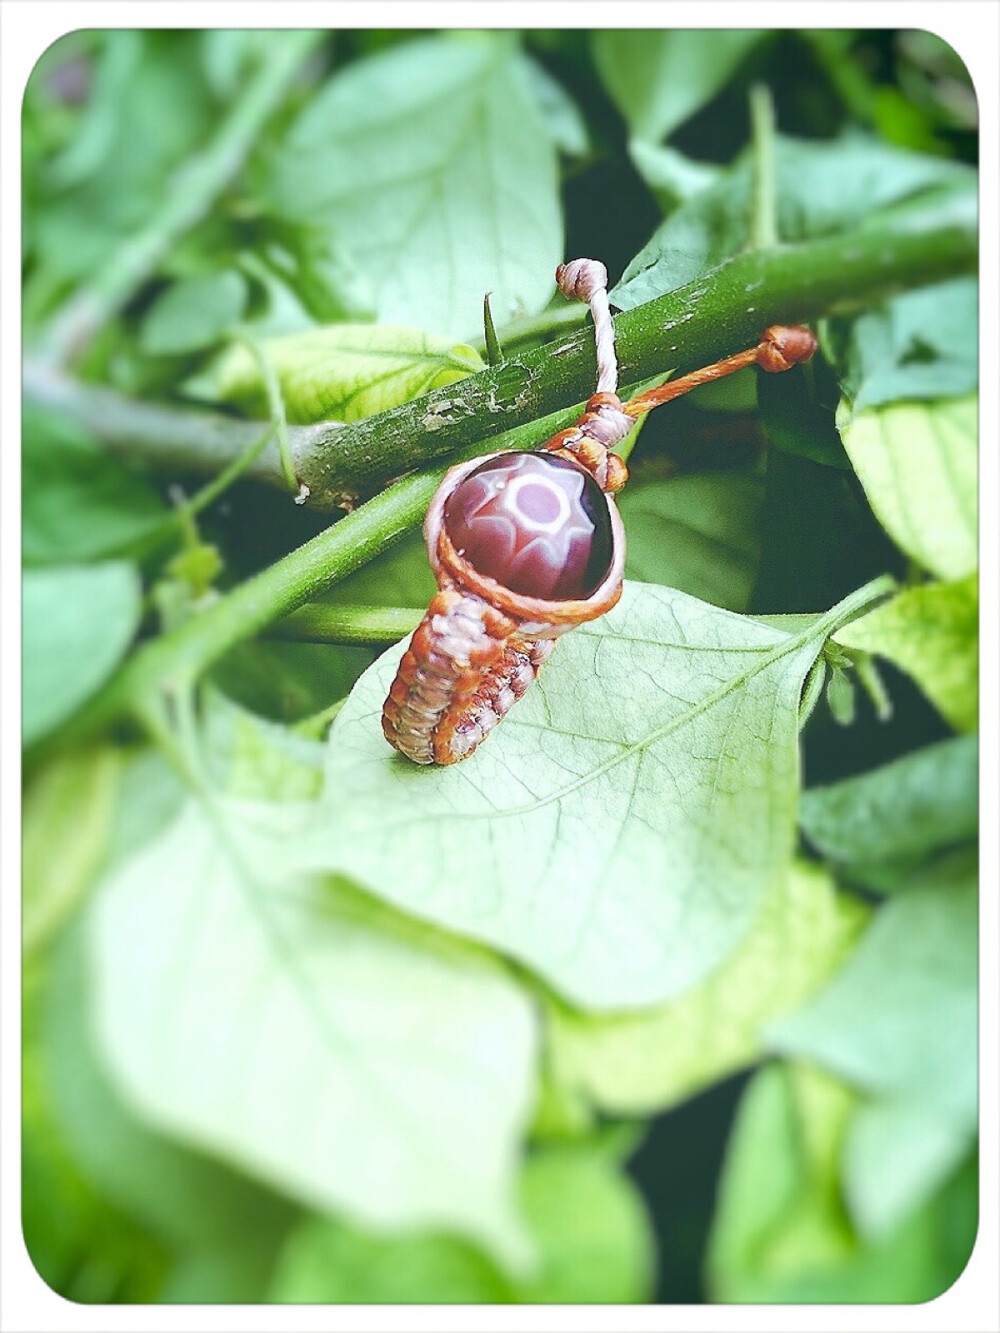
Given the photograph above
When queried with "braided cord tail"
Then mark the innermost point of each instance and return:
(462, 671)
(469, 721)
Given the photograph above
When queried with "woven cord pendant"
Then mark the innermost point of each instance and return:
(525, 546)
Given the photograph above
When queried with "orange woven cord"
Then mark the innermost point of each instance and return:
(781, 346)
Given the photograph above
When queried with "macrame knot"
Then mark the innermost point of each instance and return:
(603, 425)
(782, 347)
(606, 421)
(581, 278)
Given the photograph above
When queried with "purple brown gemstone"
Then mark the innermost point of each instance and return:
(537, 524)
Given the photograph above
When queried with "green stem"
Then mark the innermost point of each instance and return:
(764, 213)
(213, 489)
(190, 198)
(720, 313)
(812, 690)
(181, 520)
(164, 668)
(169, 665)
(320, 623)
(857, 603)
(871, 682)
(276, 406)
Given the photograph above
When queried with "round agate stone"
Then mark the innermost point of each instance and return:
(537, 524)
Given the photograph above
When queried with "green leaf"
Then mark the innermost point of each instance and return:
(187, 1199)
(896, 1155)
(80, 1244)
(343, 372)
(227, 1275)
(229, 55)
(592, 1230)
(780, 1234)
(586, 1218)
(433, 166)
(821, 187)
(795, 418)
(150, 795)
(78, 622)
(563, 119)
(329, 1262)
(932, 633)
(922, 344)
(316, 1040)
(882, 825)
(698, 532)
(66, 822)
(253, 758)
(618, 832)
(840, 697)
(194, 313)
(289, 681)
(644, 1062)
(150, 110)
(777, 1213)
(78, 502)
(672, 177)
(899, 1020)
(917, 463)
(659, 79)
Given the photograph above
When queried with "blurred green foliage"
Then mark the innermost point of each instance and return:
(247, 1078)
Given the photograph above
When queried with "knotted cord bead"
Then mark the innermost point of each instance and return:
(783, 346)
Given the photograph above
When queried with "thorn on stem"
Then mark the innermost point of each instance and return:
(494, 352)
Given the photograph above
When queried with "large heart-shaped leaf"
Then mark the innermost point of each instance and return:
(432, 166)
(619, 830)
(186, 1198)
(309, 1036)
